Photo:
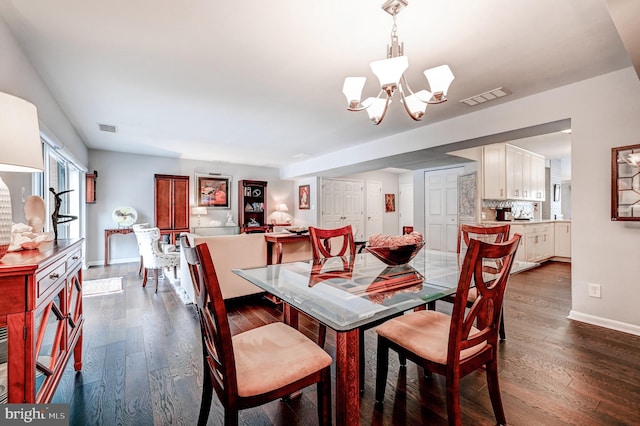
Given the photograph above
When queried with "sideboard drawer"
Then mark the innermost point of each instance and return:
(49, 278)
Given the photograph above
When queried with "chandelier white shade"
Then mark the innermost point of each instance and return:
(20, 151)
(390, 74)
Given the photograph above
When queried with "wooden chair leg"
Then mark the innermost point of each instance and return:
(324, 398)
(207, 395)
(382, 369)
(140, 267)
(501, 332)
(156, 274)
(494, 392)
(453, 400)
(144, 277)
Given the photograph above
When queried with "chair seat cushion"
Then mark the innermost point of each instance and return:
(425, 333)
(274, 355)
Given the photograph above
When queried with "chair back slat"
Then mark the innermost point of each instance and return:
(214, 324)
(485, 312)
(489, 234)
(321, 240)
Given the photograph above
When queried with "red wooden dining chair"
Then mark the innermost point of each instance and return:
(256, 366)
(491, 234)
(457, 344)
(321, 240)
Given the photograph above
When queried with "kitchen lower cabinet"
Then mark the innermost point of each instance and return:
(40, 319)
(562, 239)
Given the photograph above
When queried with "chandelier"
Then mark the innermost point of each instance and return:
(390, 73)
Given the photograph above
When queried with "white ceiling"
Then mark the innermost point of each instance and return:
(258, 82)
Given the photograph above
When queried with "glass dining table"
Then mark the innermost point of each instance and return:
(349, 293)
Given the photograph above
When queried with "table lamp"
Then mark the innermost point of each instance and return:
(198, 211)
(282, 208)
(20, 151)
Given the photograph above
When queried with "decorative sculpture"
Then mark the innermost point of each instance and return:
(56, 217)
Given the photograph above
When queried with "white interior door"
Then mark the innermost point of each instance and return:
(441, 209)
(374, 209)
(405, 206)
(342, 205)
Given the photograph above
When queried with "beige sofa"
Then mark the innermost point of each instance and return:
(239, 251)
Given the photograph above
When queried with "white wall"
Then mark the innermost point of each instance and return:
(19, 78)
(128, 180)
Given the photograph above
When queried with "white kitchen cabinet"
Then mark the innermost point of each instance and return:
(562, 239)
(512, 173)
(537, 178)
(521, 253)
(494, 171)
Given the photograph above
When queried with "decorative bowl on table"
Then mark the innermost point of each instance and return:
(297, 230)
(396, 255)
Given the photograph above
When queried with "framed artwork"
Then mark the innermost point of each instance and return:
(389, 203)
(303, 197)
(625, 183)
(213, 191)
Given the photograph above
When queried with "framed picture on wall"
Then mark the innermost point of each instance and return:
(625, 171)
(389, 203)
(303, 197)
(213, 191)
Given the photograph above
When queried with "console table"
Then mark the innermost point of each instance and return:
(107, 234)
(276, 241)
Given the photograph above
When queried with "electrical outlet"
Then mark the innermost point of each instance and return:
(594, 290)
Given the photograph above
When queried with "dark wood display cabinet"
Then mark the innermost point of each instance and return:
(172, 205)
(40, 319)
(252, 206)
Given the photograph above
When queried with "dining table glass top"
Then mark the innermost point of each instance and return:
(345, 293)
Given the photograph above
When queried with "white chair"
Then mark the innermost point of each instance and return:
(135, 227)
(152, 256)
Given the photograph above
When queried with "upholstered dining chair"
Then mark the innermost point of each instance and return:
(152, 257)
(322, 239)
(457, 344)
(254, 367)
(491, 234)
(321, 246)
(135, 227)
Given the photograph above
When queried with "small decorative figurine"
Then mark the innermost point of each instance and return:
(56, 217)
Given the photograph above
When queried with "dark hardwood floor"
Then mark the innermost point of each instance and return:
(142, 364)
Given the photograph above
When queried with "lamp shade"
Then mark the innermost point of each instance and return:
(439, 78)
(20, 151)
(352, 90)
(390, 70)
(283, 207)
(198, 210)
(20, 146)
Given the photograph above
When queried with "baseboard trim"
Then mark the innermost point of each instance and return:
(113, 261)
(604, 322)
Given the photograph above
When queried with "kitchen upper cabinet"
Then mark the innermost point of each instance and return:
(537, 178)
(494, 171)
(512, 173)
(563, 239)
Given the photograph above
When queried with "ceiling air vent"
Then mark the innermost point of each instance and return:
(486, 96)
(108, 128)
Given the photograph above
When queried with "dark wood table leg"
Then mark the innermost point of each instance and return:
(290, 315)
(347, 378)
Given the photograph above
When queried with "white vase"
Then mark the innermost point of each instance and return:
(6, 219)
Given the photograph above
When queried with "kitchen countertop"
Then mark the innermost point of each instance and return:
(524, 222)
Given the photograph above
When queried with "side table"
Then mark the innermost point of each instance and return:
(107, 234)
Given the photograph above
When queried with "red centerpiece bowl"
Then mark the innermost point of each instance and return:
(396, 255)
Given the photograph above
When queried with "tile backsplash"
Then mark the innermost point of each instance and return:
(518, 208)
